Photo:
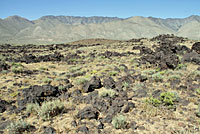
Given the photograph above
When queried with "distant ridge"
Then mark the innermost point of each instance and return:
(63, 29)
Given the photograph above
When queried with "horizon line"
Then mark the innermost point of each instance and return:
(99, 16)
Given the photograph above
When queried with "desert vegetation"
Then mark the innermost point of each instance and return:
(137, 86)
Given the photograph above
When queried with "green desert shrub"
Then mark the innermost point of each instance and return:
(174, 77)
(4, 71)
(32, 108)
(181, 66)
(17, 68)
(94, 72)
(74, 69)
(18, 127)
(125, 86)
(43, 69)
(138, 86)
(113, 73)
(52, 66)
(119, 121)
(47, 109)
(158, 69)
(47, 80)
(101, 57)
(108, 93)
(168, 98)
(122, 68)
(194, 74)
(61, 87)
(197, 91)
(16, 65)
(82, 80)
(153, 101)
(14, 94)
(149, 72)
(2, 58)
(50, 109)
(157, 77)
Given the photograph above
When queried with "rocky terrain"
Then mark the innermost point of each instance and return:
(64, 29)
(98, 86)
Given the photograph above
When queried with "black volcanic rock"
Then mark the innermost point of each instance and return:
(140, 93)
(37, 94)
(193, 57)
(165, 55)
(168, 38)
(109, 83)
(87, 113)
(128, 107)
(196, 47)
(93, 84)
(30, 58)
(100, 104)
(3, 66)
(172, 61)
(83, 129)
(3, 105)
(145, 50)
(109, 54)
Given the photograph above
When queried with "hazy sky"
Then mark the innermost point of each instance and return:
(33, 9)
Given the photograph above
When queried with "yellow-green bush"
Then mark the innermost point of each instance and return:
(47, 109)
(17, 127)
(119, 121)
(108, 92)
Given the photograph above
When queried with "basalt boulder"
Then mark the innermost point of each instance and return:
(109, 83)
(37, 94)
(87, 113)
(171, 61)
(94, 83)
(193, 57)
(3, 66)
(3, 105)
(196, 47)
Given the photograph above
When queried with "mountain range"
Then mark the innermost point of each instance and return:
(63, 29)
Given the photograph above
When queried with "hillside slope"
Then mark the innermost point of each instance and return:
(62, 29)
